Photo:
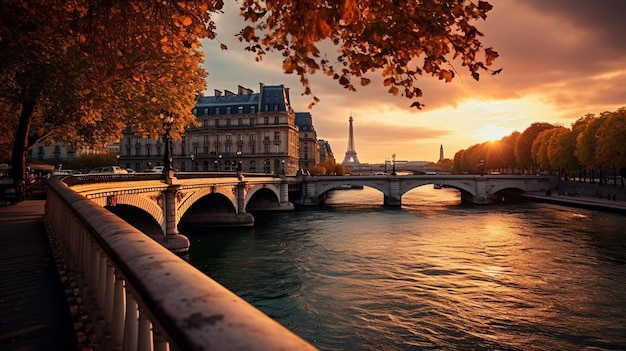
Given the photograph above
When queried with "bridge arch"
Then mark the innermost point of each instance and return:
(262, 197)
(189, 198)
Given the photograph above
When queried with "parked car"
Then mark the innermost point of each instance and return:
(155, 169)
(108, 170)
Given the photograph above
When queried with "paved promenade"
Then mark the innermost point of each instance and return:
(34, 312)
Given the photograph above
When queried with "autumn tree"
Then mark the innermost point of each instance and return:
(561, 148)
(611, 142)
(587, 142)
(524, 143)
(79, 71)
(402, 40)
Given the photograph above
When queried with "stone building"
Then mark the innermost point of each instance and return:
(256, 132)
(309, 148)
(326, 153)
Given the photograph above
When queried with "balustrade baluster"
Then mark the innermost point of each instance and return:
(131, 326)
(119, 307)
(144, 342)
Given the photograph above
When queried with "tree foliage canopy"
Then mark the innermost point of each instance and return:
(402, 39)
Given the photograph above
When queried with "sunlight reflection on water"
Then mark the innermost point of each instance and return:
(434, 274)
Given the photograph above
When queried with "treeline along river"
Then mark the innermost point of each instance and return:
(433, 275)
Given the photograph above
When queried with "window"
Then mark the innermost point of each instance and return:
(252, 109)
(206, 110)
(251, 149)
(138, 151)
(217, 149)
(251, 121)
(239, 137)
(227, 149)
(240, 109)
(228, 110)
(266, 148)
(205, 122)
(276, 120)
(239, 121)
(127, 151)
(229, 137)
(240, 148)
(276, 148)
(148, 150)
(276, 135)
(217, 111)
(251, 137)
(205, 138)
(228, 122)
(275, 107)
(205, 150)
(217, 138)
(266, 135)
(195, 150)
(266, 120)
(252, 166)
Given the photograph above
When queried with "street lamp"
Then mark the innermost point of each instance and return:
(168, 120)
(393, 165)
(193, 157)
(219, 162)
(283, 162)
(238, 164)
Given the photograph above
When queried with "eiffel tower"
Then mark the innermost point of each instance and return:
(350, 158)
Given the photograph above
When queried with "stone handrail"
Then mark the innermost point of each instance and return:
(141, 296)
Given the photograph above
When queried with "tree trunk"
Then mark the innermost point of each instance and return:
(20, 145)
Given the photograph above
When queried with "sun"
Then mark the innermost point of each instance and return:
(491, 132)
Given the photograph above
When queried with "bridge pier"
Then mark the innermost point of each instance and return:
(393, 198)
(174, 241)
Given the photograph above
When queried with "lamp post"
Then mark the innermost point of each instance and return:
(219, 162)
(283, 170)
(393, 164)
(193, 157)
(386, 160)
(481, 167)
(168, 120)
(239, 165)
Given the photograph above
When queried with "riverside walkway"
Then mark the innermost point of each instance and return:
(34, 309)
(34, 292)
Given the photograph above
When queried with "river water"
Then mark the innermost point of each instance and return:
(433, 275)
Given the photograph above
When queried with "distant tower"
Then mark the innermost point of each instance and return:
(440, 153)
(351, 158)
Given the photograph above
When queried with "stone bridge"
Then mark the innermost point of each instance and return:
(475, 189)
(158, 207)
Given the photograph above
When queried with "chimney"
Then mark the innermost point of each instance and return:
(218, 93)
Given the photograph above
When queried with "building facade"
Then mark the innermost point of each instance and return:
(253, 132)
(326, 153)
(309, 148)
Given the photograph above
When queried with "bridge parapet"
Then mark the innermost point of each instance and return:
(140, 296)
(473, 188)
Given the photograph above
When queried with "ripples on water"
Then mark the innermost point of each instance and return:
(434, 275)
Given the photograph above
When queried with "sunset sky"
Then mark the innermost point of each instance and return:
(560, 60)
